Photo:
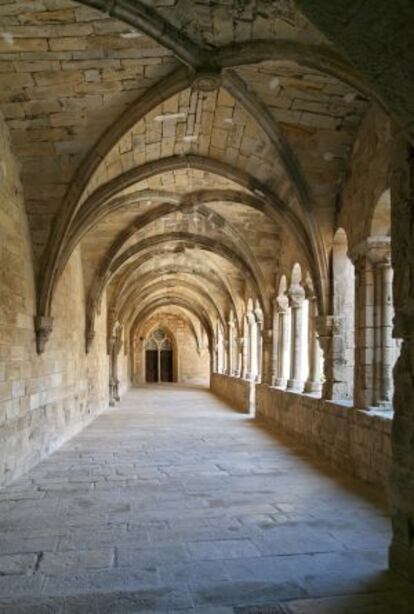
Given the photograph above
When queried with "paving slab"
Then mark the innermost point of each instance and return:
(173, 502)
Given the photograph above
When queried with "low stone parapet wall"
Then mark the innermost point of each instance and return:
(239, 393)
(356, 441)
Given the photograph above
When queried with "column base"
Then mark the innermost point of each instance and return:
(280, 382)
(112, 403)
(294, 384)
(313, 386)
(384, 404)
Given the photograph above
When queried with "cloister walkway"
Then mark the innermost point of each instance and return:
(174, 502)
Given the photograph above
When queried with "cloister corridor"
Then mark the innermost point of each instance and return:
(173, 501)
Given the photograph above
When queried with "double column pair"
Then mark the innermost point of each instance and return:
(288, 342)
(375, 349)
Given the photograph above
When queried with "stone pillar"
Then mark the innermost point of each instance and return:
(114, 346)
(325, 326)
(259, 339)
(252, 350)
(230, 360)
(296, 296)
(402, 250)
(225, 355)
(220, 351)
(111, 343)
(238, 345)
(245, 349)
(385, 345)
(267, 351)
(283, 348)
(213, 360)
(364, 332)
(275, 344)
(377, 353)
(374, 349)
(313, 383)
(387, 342)
(116, 350)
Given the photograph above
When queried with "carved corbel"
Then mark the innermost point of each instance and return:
(43, 328)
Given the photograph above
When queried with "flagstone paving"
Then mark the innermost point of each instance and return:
(172, 501)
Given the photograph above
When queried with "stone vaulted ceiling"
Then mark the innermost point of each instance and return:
(188, 148)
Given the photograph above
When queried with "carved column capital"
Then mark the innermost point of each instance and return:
(282, 303)
(43, 328)
(297, 295)
(375, 249)
(251, 318)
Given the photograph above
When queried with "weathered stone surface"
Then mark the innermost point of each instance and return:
(44, 401)
(221, 171)
(238, 393)
(226, 516)
(355, 441)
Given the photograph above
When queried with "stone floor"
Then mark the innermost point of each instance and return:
(174, 502)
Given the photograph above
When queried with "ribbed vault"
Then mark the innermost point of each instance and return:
(187, 159)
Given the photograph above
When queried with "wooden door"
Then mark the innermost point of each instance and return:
(166, 366)
(151, 365)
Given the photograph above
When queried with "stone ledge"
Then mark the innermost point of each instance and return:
(353, 440)
(239, 393)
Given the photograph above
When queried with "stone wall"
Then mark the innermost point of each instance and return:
(357, 442)
(44, 399)
(239, 393)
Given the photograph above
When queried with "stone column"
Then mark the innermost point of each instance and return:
(364, 331)
(111, 343)
(377, 354)
(267, 351)
(245, 349)
(230, 360)
(296, 296)
(225, 355)
(238, 345)
(388, 344)
(313, 383)
(324, 326)
(213, 359)
(260, 345)
(402, 250)
(373, 311)
(275, 343)
(220, 351)
(116, 350)
(385, 345)
(252, 350)
(283, 347)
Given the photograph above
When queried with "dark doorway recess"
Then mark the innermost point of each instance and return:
(166, 366)
(151, 365)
